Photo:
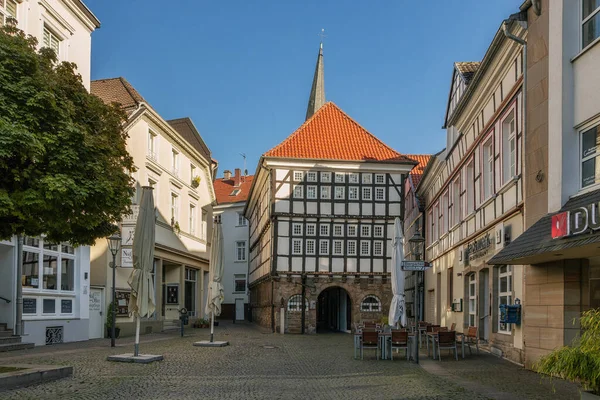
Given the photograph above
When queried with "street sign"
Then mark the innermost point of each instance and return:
(415, 265)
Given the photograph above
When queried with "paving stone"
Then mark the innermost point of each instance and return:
(257, 365)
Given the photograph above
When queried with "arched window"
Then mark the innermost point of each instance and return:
(295, 303)
(370, 304)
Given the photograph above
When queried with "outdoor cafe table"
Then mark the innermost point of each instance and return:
(385, 344)
(433, 337)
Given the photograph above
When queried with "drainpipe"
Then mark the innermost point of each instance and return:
(18, 329)
(521, 17)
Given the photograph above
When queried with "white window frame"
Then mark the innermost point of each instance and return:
(311, 176)
(370, 307)
(296, 247)
(324, 230)
(326, 192)
(589, 156)
(353, 193)
(504, 272)
(310, 247)
(509, 146)
(53, 38)
(380, 179)
(351, 247)
(175, 207)
(60, 255)
(378, 231)
(340, 177)
(446, 212)
(470, 187)
(365, 230)
(365, 248)
(296, 229)
(487, 165)
(584, 20)
(298, 191)
(353, 178)
(5, 13)
(242, 221)
(378, 248)
(193, 221)
(241, 245)
(340, 193)
(367, 193)
(455, 202)
(472, 304)
(311, 229)
(236, 278)
(352, 230)
(297, 298)
(152, 145)
(367, 178)
(298, 176)
(380, 193)
(175, 161)
(326, 177)
(338, 247)
(324, 247)
(338, 230)
(311, 192)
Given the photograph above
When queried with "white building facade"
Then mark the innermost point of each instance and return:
(171, 157)
(231, 192)
(473, 193)
(55, 277)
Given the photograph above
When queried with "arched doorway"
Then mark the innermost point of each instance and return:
(334, 310)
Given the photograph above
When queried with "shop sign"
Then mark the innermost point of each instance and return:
(478, 248)
(131, 219)
(127, 258)
(575, 222)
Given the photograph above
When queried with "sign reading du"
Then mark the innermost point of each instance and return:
(576, 222)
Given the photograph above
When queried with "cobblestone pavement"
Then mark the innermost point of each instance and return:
(260, 365)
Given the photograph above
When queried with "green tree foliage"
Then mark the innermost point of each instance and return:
(579, 362)
(63, 157)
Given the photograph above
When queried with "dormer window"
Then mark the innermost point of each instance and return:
(235, 192)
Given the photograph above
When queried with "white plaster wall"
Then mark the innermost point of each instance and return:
(232, 233)
(67, 23)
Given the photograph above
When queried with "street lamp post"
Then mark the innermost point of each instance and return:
(114, 242)
(417, 243)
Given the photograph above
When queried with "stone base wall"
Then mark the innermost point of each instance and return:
(128, 328)
(286, 287)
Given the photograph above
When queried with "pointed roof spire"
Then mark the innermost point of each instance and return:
(317, 92)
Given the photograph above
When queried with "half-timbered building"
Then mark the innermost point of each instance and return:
(321, 211)
(474, 198)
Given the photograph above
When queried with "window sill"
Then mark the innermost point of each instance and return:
(487, 201)
(586, 49)
(508, 183)
(509, 333)
(240, 261)
(244, 292)
(586, 190)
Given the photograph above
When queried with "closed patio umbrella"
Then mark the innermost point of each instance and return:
(398, 306)
(142, 302)
(215, 287)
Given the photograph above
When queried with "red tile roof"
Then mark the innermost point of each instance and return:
(417, 172)
(224, 188)
(330, 134)
(117, 90)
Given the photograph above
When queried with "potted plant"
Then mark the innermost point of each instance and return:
(579, 362)
(195, 182)
(109, 318)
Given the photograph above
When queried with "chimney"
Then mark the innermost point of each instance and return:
(237, 180)
(227, 174)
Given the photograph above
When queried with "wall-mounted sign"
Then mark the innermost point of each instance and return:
(122, 302)
(479, 247)
(66, 306)
(127, 233)
(172, 293)
(131, 219)
(415, 265)
(29, 305)
(127, 258)
(575, 222)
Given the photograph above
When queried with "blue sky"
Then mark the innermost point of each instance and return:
(242, 70)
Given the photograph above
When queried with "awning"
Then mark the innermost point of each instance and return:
(573, 232)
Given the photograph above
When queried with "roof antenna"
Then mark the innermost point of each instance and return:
(245, 170)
